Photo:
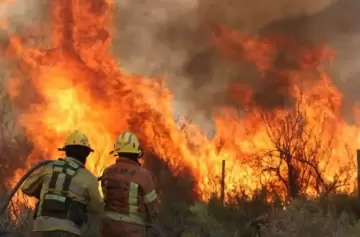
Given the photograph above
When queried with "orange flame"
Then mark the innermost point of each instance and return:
(77, 84)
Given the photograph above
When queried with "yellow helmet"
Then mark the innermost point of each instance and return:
(76, 138)
(127, 143)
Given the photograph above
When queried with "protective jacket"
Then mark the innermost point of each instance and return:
(130, 199)
(66, 193)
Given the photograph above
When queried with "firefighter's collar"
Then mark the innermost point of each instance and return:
(74, 160)
(127, 160)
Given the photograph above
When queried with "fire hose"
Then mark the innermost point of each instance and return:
(45, 162)
(26, 175)
(20, 182)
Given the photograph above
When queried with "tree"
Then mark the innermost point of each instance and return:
(303, 149)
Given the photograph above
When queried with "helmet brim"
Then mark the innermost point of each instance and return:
(64, 148)
(116, 153)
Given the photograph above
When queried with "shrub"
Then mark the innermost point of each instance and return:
(307, 218)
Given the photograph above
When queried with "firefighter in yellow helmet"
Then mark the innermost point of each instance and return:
(66, 191)
(129, 191)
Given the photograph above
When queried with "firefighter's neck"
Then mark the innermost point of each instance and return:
(135, 160)
(82, 162)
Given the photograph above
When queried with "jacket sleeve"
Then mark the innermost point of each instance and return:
(151, 199)
(33, 184)
(95, 204)
(102, 182)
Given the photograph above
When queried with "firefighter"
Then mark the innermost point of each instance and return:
(66, 191)
(129, 193)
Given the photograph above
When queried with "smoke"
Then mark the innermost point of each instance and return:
(172, 39)
(19, 17)
(28, 19)
(337, 26)
(16, 15)
(157, 39)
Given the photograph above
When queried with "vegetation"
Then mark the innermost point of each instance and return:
(183, 215)
(294, 165)
(331, 217)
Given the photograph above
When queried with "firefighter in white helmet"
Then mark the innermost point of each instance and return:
(129, 191)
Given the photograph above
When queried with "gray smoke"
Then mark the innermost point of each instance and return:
(172, 39)
(20, 14)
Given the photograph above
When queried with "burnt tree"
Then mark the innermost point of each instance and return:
(303, 147)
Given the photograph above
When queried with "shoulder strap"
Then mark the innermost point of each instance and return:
(58, 167)
(69, 168)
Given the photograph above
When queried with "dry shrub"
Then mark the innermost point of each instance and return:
(182, 215)
(18, 218)
(307, 218)
(301, 218)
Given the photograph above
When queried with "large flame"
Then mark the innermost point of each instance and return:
(79, 85)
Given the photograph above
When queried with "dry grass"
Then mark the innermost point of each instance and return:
(183, 216)
(329, 218)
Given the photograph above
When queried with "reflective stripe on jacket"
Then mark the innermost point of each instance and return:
(83, 188)
(131, 218)
(128, 192)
